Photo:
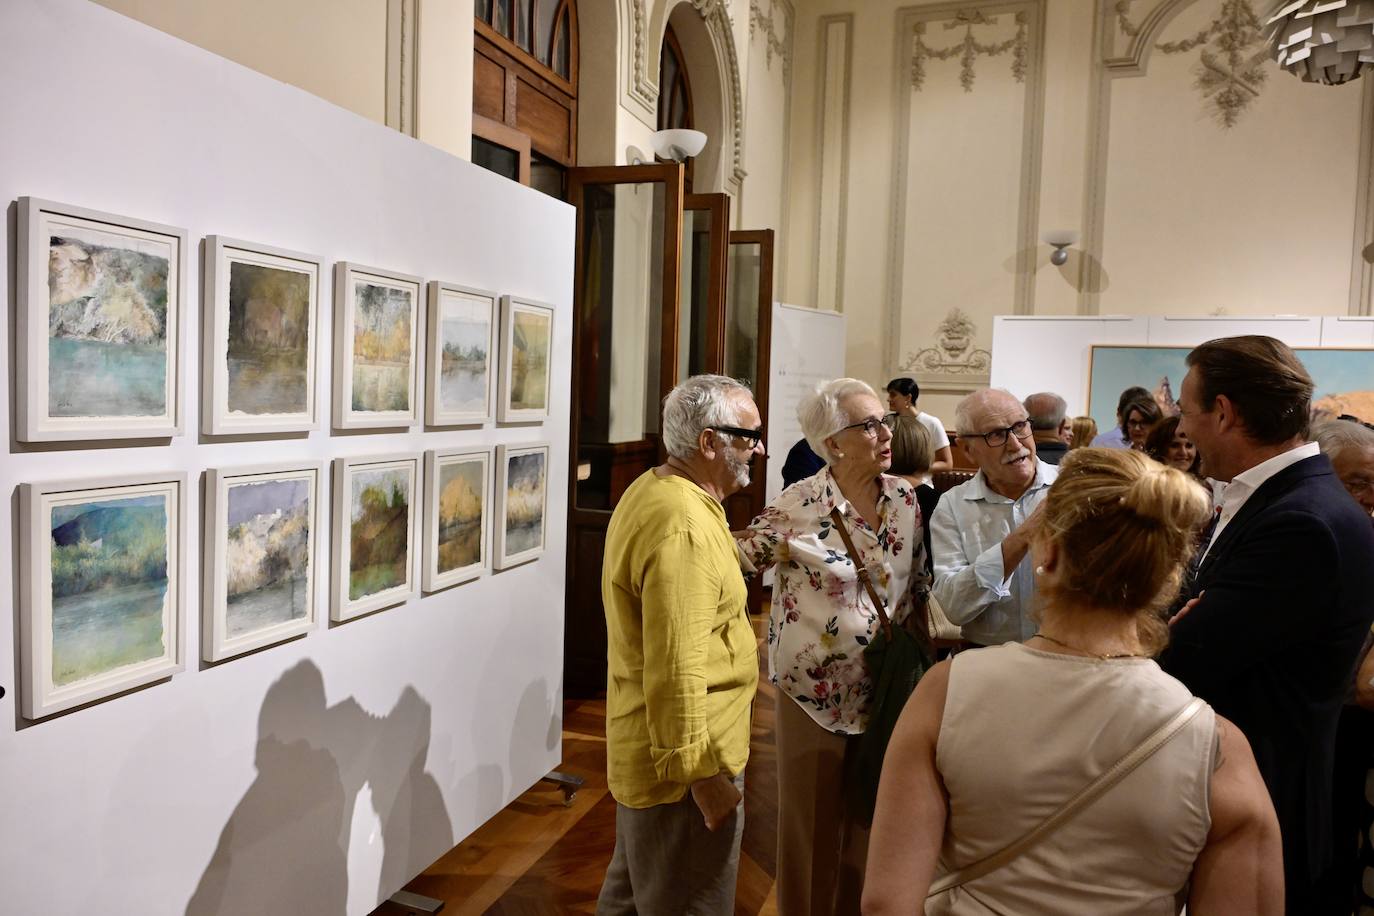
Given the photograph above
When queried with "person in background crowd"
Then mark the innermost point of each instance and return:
(995, 740)
(911, 462)
(1118, 436)
(682, 670)
(821, 619)
(1350, 447)
(801, 463)
(980, 531)
(1050, 426)
(1284, 593)
(901, 399)
(1168, 445)
(1084, 431)
(1141, 416)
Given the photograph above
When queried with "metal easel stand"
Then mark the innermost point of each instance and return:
(415, 902)
(567, 782)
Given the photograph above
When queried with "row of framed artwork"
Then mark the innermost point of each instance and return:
(103, 566)
(102, 328)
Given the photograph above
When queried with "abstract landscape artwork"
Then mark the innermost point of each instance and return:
(101, 587)
(1343, 379)
(375, 356)
(99, 325)
(259, 361)
(458, 484)
(526, 351)
(462, 333)
(374, 533)
(522, 491)
(260, 534)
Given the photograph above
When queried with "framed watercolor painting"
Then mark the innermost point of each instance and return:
(526, 352)
(458, 365)
(102, 587)
(261, 308)
(522, 503)
(261, 531)
(457, 496)
(376, 327)
(375, 528)
(100, 325)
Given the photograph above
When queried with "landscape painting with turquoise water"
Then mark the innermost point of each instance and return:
(461, 487)
(268, 349)
(107, 324)
(382, 357)
(465, 337)
(267, 556)
(379, 531)
(109, 585)
(524, 502)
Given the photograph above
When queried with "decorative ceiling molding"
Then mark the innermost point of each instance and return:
(777, 38)
(969, 49)
(1232, 64)
(641, 89)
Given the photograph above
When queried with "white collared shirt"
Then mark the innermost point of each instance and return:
(1244, 484)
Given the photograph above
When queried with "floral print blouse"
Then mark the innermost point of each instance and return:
(822, 617)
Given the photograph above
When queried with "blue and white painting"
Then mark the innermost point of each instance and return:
(465, 338)
(267, 556)
(109, 560)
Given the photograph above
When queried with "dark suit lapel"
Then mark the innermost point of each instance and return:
(1258, 502)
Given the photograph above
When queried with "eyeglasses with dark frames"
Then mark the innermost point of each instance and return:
(755, 436)
(997, 438)
(871, 425)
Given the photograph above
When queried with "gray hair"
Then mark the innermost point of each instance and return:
(1046, 410)
(701, 402)
(820, 413)
(1335, 436)
(963, 414)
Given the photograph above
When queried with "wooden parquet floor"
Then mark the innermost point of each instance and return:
(538, 858)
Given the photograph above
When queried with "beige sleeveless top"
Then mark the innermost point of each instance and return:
(1024, 730)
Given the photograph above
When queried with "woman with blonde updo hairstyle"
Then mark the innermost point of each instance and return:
(995, 740)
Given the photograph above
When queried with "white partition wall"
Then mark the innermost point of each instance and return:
(318, 775)
(808, 347)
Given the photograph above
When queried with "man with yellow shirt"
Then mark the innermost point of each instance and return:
(682, 662)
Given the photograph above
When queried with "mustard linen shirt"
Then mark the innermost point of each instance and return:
(682, 661)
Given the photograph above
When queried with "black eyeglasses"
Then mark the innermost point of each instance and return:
(755, 436)
(997, 438)
(870, 426)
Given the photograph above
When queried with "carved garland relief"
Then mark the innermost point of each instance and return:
(969, 49)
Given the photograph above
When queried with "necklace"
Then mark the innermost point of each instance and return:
(1060, 642)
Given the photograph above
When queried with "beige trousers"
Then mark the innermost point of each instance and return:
(821, 850)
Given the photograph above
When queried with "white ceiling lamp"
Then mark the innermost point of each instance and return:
(1323, 41)
(679, 144)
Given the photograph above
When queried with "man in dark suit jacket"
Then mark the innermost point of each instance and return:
(1284, 591)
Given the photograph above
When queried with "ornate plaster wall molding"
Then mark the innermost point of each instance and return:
(777, 35)
(956, 351)
(969, 48)
(401, 66)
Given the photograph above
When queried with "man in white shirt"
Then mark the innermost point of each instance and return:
(980, 531)
(1284, 595)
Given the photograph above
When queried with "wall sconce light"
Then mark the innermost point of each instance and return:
(1059, 240)
(636, 156)
(678, 145)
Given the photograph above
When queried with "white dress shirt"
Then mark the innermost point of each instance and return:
(967, 529)
(1244, 484)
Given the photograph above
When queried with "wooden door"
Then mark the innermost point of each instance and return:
(705, 264)
(626, 280)
(747, 340)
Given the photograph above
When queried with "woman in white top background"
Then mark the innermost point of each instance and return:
(901, 399)
(996, 740)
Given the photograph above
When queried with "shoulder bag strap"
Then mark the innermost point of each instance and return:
(837, 520)
(1085, 797)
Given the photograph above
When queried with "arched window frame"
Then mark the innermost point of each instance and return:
(564, 19)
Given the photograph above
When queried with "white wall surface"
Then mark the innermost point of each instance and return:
(808, 347)
(319, 775)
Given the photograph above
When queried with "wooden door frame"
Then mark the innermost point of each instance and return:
(718, 205)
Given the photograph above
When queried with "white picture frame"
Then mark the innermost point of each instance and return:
(526, 360)
(266, 504)
(437, 545)
(375, 586)
(463, 306)
(282, 397)
(367, 395)
(512, 545)
(108, 348)
(121, 572)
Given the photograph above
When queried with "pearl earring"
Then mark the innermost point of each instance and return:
(839, 454)
(1039, 570)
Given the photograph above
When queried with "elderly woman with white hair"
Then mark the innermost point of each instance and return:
(821, 620)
